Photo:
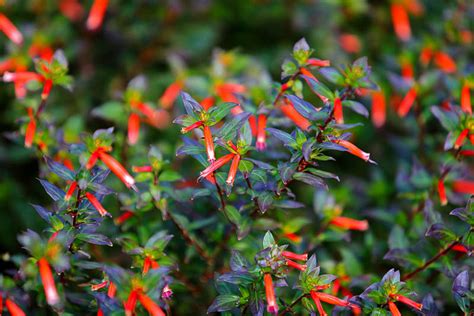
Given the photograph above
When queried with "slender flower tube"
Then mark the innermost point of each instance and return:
(233, 170)
(30, 129)
(407, 71)
(407, 103)
(207, 103)
(330, 299)
(70, 191)
(261, 137)
(112, 290)
(93, 159)
(350, 43)
(466, 99)
(318, 62)
(152, 308)
(131, 303)
(208, 140)
(378, 109)
(442, 192)
(316, 301)
(96, 14)
(133, 128)
(191, 127)
(444, 62)
(294, 256)
(467, 152)
(13, 309)
(460, 248)
(96, 204)
(272, 306)
(426, 55)
(401, 22)
(100, 312)
(460, 140)
(166, 293)
(290, 112)
(124, 217)
(47, 278)
(307, 73)
(253, 125)
(393, 309)
(338, 114)
(349, 223)
(407, 301)
(293, 237)
(297, 266)
(149, 263)
(47, 86)
(216, 165)
(10, 30)
(170, 94)
(463, 186)
(72, 9)
(101, 285)
(117, 169)
(353, 149)
(23, 76)
(142, 169)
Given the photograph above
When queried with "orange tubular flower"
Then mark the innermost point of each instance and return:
(294, 256)
(152, 308)
(13, 309)
(466, 99)
(353, 149)
(349, 223)
(378, 108)
(30, 129)
(307, 73)
(467, 152)
(318, 62)
(96, 204)
(350, 43)
(293, 237)
(233, 170)
(272, 306)
(10, 30)
(96, 14)
(330, 299)
(460, 248)
(292, 264)
(23, 76)
(290, 112)
(319, 306)
(401, 22)
(253, 125)
(407, 71)
(117, 169)
(191, 127)
(216, 165)
(96, 287)
(207, 103)
(124, 217)
(407, 301)
(444, 62)
(460, 140)
(131, 303)
(92, 160)
(133, 128)
(47, 278)
(142, 169)
(338, 114)
(407, 103)
(393, 309)
(149, 263)
(261, 137)
(72, 9)
(442, 192)
(211, 157)
(425, 55)
(70, 191)
(112, 290)
(47, 86)
(170, 95)
(463, 186)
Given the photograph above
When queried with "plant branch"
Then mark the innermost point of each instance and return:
(296, 301)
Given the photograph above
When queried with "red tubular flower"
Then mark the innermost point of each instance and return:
(463, 186)
(460, 140)
(233, 170)
(407, 103)
(307, 73)
(228, 91)
(290, 112)
(253, 125)
(152, 308)
(70, 191)
(211, 157)
(318, 62)
(191, 127)
(393, 309)
(349, 43)
(149, 263)
(356, 310)
(294, 256)
(407, 301)
(170, 94)
(330, 299)
(92, 159)
(442, 192)
(133, 128)
(444, 62)
(207, 103)
(316, 301)
(96, 204)
(378, 108)
(261, 136)
(216, 165)
(466, 99)
(293, 237)
(23, 76)
(47, 86)
(166, 293)
(13, 309)
(96, 14)
(30, 129)
(142, 169)
(467, 152)
(425, 55)
(100, 312)
(112, 290)
(349, 223)
(124, 217)
(292, 264)
(131, 303)
(338, 114)
(72, 9)
(96, 287)
(117, 169)
(47, 278)
(353, 149)
(460, 248)
(401, 22)
(407, 70)
(10, 30)
(272, 306)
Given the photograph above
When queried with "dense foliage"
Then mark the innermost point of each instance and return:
(183, 178)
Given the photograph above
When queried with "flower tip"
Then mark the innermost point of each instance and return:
(272, 309)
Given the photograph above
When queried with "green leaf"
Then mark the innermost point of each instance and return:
(332, 75)
(232, 214)
(268, 240)
(218, 112)
(112, 111)
(223, 303)
(245, 166)
(318, 87)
